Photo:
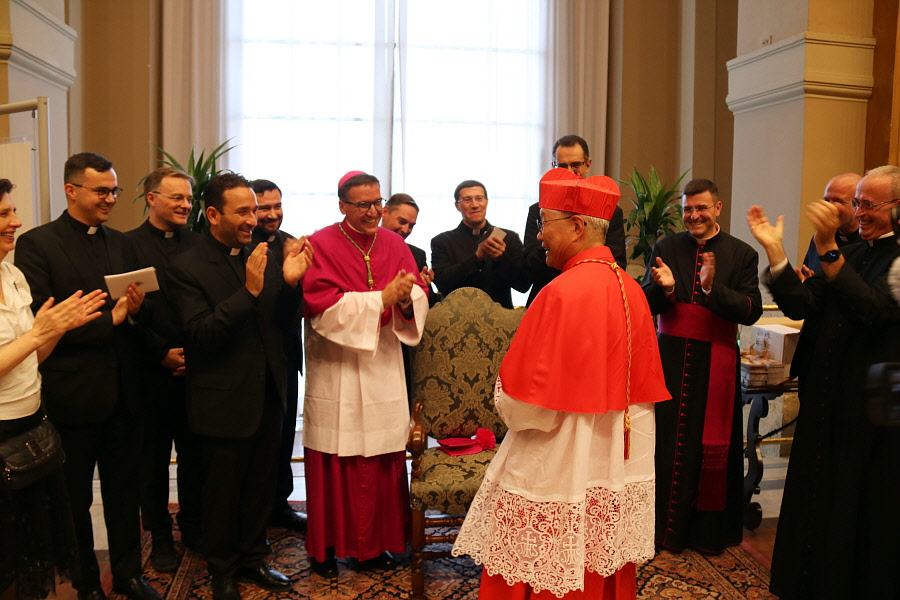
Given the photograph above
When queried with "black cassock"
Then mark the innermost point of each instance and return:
(839, 528)
(735, 297)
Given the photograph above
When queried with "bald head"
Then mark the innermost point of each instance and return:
(840, 191)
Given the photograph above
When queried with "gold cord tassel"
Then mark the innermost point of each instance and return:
(618, 272)
(627, 434)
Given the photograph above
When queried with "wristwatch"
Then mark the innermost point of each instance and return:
(830, 256)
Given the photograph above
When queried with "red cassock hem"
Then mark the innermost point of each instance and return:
(357, 505)
(621, 585)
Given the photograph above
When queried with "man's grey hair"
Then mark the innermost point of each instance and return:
(888, 171)
(597, 228)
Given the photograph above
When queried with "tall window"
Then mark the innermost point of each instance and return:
(421, 93)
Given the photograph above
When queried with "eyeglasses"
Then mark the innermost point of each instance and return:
(688, 210)
(102, 192)
(541, 223)
(179, 198)
(467, 200)
(366, 206)
(867, 206)
(571, 165)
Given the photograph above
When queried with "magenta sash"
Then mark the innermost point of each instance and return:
(696, 322)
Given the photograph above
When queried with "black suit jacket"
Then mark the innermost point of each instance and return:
(536, 257)
(811, 259)
(294, 343)
(276, 245)
(422, 262)
(93, 368)
(231, 338)
(455, 264)
(161, 329)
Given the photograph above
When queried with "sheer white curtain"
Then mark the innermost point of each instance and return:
(421, 93)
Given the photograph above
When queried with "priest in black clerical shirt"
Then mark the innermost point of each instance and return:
(89, 382)
(236, 307)
(840, 457)
(269, 218)
(162, 237)
(477, 254)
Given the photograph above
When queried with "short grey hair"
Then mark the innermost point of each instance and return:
(596, 226)
(888, 171)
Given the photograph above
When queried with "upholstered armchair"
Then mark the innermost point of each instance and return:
(454, 371)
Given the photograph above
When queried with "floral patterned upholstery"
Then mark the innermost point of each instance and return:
(456, 363)
(454, 371)
(447, 483)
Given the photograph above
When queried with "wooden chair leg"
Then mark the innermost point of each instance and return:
(418, 546)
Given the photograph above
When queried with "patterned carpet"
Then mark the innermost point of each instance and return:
(734, 575)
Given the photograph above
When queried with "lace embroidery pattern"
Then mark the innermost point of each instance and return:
(548, 545)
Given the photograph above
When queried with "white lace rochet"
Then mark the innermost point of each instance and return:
(548, 545)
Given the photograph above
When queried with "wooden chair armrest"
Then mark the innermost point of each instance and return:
(416, 443)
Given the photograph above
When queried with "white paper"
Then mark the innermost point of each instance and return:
(143, 278)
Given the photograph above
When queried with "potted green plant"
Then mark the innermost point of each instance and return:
(202, 168)
(656, 214)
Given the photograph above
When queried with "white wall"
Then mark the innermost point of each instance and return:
(42, 64)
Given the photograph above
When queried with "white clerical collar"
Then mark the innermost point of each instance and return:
(168, 234)
(703, 242)
(353, 228)
(880, 237)
(92, 230)
(271, 238)
(234, 252)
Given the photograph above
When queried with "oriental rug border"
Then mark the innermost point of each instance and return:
(734, 575)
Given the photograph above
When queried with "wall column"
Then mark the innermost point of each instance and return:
(799, 107)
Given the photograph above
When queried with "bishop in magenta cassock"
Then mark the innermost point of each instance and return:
(364, 298)
(566, 506)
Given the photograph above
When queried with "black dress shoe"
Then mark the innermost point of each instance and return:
(163, 558)
(91, 595)
(288, 518)
(224, 587)
(264, 577)
(326, 568)
(136, 589)
(383, 562)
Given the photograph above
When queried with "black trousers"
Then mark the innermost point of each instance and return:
(164, 421)
(285, 485)
(238, 489)
(113, 447)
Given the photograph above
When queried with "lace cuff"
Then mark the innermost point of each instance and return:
(548, 545)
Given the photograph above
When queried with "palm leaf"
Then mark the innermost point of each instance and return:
(656, 213)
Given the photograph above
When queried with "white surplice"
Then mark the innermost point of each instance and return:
(355, 402)
(560, 497)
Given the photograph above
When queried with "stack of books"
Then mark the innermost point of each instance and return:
(753, 371)
(760, 371)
